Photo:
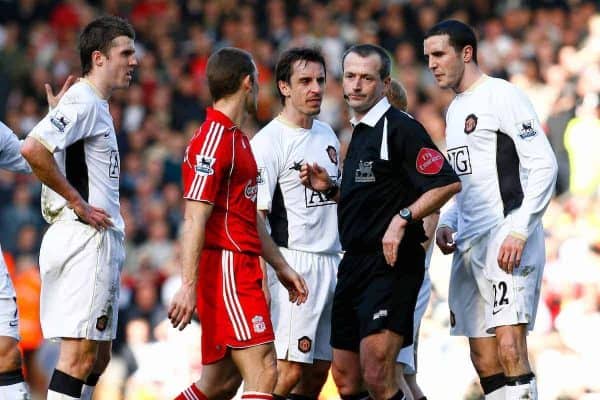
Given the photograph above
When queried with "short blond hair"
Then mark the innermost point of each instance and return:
(396, 95)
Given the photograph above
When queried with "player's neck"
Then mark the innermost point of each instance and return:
(471, 75)
(295, 117)
(232, 106)
(103, 90)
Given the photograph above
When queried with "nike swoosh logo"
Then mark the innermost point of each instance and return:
(13, 323)
(494, 312)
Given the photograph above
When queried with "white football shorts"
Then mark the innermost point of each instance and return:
(302, 332)
(482, 296)
(80, 269)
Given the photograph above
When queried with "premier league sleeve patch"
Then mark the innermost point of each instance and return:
(429, 161)
(526, 130)
(204, 165)
(59, 121)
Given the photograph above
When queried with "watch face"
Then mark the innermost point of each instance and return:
(405, 213)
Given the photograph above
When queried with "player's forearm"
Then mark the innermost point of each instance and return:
(269, 250)
(433, 200)
(45, 168)
(537, 194)
(192, 239)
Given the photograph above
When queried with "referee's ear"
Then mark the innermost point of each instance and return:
(387, 81)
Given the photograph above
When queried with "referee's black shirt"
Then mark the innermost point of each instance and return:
(378, 180)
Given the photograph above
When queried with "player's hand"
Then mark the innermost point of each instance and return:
(315, 177)
(182, 306)
(94, 216)
(294, 283)
(444, 240)
(51, 98)
(509, 255)
(392, 238)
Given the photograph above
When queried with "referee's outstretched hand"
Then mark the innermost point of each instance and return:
(51, 98)
(315, 177)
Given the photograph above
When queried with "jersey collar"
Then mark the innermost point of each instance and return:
(216, 115)
(375, 113)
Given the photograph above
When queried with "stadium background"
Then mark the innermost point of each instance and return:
(551, 49)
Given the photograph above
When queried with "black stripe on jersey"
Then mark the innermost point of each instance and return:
(278, 219)
(76, 169)
(507, 167)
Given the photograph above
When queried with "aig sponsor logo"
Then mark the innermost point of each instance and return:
(460, 160)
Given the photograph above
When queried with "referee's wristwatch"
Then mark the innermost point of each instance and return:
(406, 214)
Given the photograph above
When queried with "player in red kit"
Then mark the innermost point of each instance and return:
(222, 240)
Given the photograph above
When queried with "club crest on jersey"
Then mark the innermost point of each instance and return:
(304, 344)
(470, 123)
(204, 165)
(429, 161)
(59, 121)
(332, 153)
(251, 190)
(526, 129)
(258, 324)
(364, 172)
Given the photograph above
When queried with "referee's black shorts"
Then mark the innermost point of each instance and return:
(371, 296)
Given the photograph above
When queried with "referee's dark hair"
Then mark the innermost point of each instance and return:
(98, 36)
(226, 69)
(365, 50)
(459, 34)
(285, 64)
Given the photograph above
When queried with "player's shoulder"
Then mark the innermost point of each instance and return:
(323, 128)
(5, 131)
(81, 93)
(271, 130)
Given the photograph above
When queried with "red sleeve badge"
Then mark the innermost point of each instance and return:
(429, 161)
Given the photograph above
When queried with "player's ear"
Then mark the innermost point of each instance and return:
(247, 83)
(98, 58)
(284, 88)
(467, 53)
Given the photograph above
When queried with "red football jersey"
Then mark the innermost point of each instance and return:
(219, 168)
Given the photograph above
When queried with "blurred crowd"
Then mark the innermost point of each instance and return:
(549, 48)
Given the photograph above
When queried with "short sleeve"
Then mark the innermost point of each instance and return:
(268, 162)
(66, 124)
(421, 160)
(207, 163)
(10, 151)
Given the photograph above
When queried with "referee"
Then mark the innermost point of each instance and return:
(393, 177)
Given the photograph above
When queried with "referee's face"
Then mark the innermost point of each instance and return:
(363, 86)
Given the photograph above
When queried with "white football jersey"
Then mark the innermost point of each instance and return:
(505, 163)
(299, 218)
(10, 159)
(81, 135)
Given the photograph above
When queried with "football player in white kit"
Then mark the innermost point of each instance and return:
(407, 375)
(12, 385)
(303, 222)
(508, 170)
(73, 151)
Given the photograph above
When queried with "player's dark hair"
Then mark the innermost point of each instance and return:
(226, 69)
(365, 50)
(98, 35)
(459, 35)
(285, 64)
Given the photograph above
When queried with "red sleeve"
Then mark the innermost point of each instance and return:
(207, 162)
